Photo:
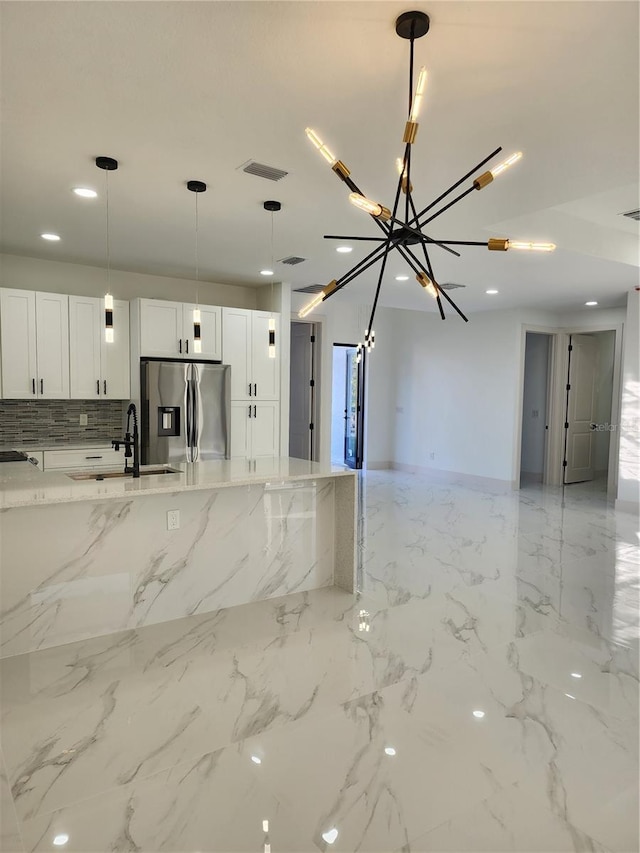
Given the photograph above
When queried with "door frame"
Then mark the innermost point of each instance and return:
(556, 390)
(316, 372)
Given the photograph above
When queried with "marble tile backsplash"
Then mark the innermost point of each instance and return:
(33, 422)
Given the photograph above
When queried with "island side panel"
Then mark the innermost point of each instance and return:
(76, 570)
(346, 524)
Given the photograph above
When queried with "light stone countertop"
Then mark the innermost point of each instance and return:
(22, 484)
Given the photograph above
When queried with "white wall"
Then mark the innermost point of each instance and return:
(629, 459)
(56, 277)
(534, 407)
(457, 401)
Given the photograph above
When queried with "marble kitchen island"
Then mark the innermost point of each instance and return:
(85, 558)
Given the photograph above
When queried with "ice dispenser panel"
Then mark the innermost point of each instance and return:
(168, 420)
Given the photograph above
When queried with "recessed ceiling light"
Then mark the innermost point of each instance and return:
(344, 249)
(265, 826)
(53, 237)
(569, 696)
(85, 192)
(491, 292)
(576, 675)
(402, 278)
(61, 839)
(266, 272)
(590, 303)
(256, 760)
(478, 714)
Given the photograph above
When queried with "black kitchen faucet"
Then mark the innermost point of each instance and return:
(130, 441)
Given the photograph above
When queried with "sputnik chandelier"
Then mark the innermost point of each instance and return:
(405, 234)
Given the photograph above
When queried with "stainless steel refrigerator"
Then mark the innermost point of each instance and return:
(186, 411)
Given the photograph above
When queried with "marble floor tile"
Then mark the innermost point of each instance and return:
(470, 599)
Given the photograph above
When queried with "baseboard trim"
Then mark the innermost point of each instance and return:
(438, 475)
(628, 506)
(379, 466)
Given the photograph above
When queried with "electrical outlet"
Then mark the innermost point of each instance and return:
(84, 420)
(173, 519)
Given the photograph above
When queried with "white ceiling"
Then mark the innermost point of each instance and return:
(181, 90)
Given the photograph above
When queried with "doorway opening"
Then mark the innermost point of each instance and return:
(535, 408)
(303, 392)
(588, 407)
(347, 406)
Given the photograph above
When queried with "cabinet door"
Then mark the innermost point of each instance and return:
(210, 331)
(265, 371)
(161, 332)
(265, 434)
(115, 383)
(18, 340)
(236, 350)
(52, 345)
(240, 429)
(84, 347)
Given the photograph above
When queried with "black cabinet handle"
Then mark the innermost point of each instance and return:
(42, 386)
(180, 345)
(249, 411)
(255, 389)
(93, 457)
(33, 385)
(97, 386)
(255, 413)
(105, 385)
(249, 389)
(186, 343)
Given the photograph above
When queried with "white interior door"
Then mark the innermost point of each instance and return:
(581, 402)
(300, 397)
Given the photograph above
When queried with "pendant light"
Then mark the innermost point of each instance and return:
(197, 187)
(272, 207)
(107, 164)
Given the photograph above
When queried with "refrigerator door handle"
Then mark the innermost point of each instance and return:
(188, 413)
(195, 413)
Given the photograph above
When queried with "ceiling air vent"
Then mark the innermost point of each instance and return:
(262, 171)
(632, 214)
(292, 260)
(311, 288)
(450, 286)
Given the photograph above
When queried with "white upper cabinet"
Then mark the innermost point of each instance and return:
(245, 346)
(210, 331)
(34, 329)
(167, 330)
(98, 369)
(160, 328)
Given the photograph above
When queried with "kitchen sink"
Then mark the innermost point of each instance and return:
(145, 471)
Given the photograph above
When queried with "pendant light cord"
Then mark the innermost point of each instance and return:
(108, 250)
(272, 264)
(197, 254)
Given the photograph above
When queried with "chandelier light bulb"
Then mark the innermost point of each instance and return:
(424, 280)
(327, 290)
(319, 144)
(501, 167)
(416, 104)
(371, 207)
(531, 247)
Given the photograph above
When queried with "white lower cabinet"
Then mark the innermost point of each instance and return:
(255, 429)
(87, 460)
